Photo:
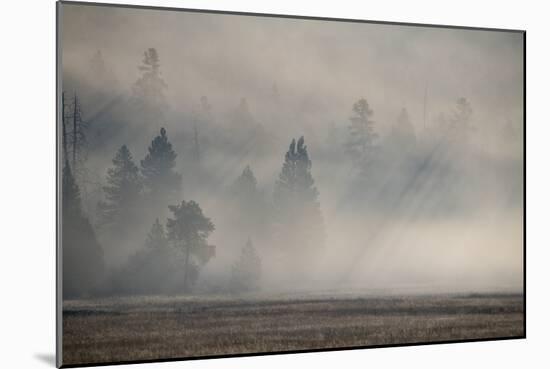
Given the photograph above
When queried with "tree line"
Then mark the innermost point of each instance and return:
(175, 251)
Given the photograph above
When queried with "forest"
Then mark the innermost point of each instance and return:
(107, 251)
(306, 165)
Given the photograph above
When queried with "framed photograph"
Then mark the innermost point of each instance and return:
(246, 184)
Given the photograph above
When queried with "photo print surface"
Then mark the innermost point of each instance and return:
(237, 184)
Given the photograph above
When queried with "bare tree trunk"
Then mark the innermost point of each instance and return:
(75, 124)
(63, 127)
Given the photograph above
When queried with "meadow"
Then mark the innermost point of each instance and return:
(149, 328)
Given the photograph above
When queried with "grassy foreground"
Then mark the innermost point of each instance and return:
(149, 328)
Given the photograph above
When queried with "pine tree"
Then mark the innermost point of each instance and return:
(188, 231)
(156, 239)
(295, 183)
(149, 88)
(247, 270)
(158, 167)
(245, 185)
(242, 118)
(249, 202)
(362, 136)
(297, 209)
(122, 192)
(100, 72)
(402, 137)
(71, 192)
(82, 255)
(460, 123)
(79, 142)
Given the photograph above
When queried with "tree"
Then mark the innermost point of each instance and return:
(203, 113)
(158, 167)
(461, 118)
(156, 239)
(73, 132)
(242, 118)
(402, 136)
(245, 185)
(78, 134)
(247, 270)
(297, 209)
(101, 72)
(64, 129)
(149, 88)
(188, 231)
(362, 136)
(82, 254)
(249, 202)
(97, 65)
(122, 192)
(155, 269)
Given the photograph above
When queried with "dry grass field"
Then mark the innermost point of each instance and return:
(149, 328)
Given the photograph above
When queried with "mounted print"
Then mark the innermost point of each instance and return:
(244, 184)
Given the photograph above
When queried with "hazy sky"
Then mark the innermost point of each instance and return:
(322, 65)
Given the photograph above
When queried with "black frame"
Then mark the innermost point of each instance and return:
(59, 298)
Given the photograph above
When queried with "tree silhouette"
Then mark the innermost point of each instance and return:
(78, 134)
(122, 192)
(297, 210)
(461, 118)
(245, 185)
(82, 254)
(247, 270)
(241, 118)
(362, 136)
(149, 88)
(158, 165)
(188, 230)
(156, 239)
(402, 136)
(249, 202)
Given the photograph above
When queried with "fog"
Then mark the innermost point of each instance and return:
(434, 204)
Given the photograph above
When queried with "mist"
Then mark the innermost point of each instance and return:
(430, 201)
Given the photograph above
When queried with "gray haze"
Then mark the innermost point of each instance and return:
(417, 229)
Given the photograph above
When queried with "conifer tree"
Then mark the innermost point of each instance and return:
(247, 270)
(149, 88)
(156, 239)
(362, 136)
(245, 185)
(402, 136)
(295, 184)
(82, 254)
(460, 122)
(249, 202)
(158, 165)
(242, 118)
(297, 210)
(123, 190)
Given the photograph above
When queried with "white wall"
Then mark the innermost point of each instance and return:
(27, 206)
